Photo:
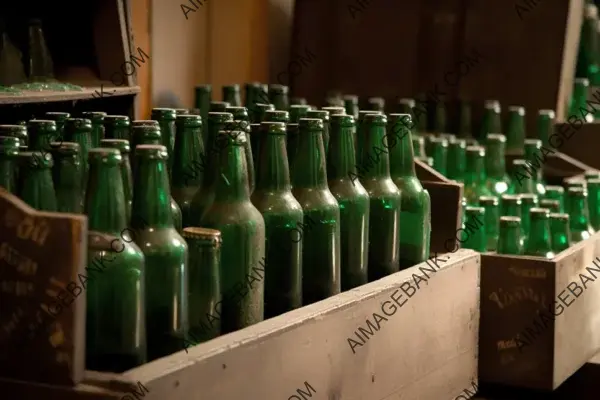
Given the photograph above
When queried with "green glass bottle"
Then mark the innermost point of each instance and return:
(539, 242)
(262, 95)
(283, 216)
(16, 131)
(560, 231)
(491, 122)
(298, 101)
(239, 113)
(9, 151)
(126, 173)
(334, 100)
(511, 205)
(491, 220)
(97, 118)
(426, 160)
(79, 130)
(439, 152)
(67, 175)
(321, 235)
(116, 127)
(243, 231)
(218, 106)
(406, 106)
(439, 116)
(187, 169)
(528, 201)
(418, 146)
(325, 117)
(515, 129)
(204, 246)
(278, 96)
(533, 154)
(115, 311)
(293, 139)
(555, 193)
(297, 112)
(465, 120)
(376, 104)
(202, 99)
(166, 121)
(591, 174)
(429, 137)
(352, 199)
(475, 178)
(552, 205)
(60, 118)
(250, 99)
(593, 186)
(276, 116)
(588, 61)
(415, 209)
(579, 184)
(457, 159)
(351, 105)
(334, 110)
(577, 208)
(522, 181)
(495, 165)
(245, 127)
(165, 252)
(231, 95)
(35, 186)
(257, 112)
(545, 126)
(41, 134)
(359, 136)
(579, 97)
(384, 195)
(509, 240)
(476, 239)
(181, 111)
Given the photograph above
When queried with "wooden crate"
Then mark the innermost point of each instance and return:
(427, 349)
(583, 143)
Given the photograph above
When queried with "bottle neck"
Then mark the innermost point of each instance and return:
(37, 188)
(539, 237)
(402, 160)
(373, 159)
(515, 132)
(232, 174)
(475, 173)
(273, 172)
(495, 167)
(7, 173)
(151, 206)
(341, 159)
(579, 217)
(188, 157)
(509, 241)
(476, 239)
(309, 164)
(118, 132)
(105, 199)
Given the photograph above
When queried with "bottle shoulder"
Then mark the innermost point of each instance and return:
(162, 241)
(381, 188)
(241, 213)
(315, 198)
(275, 202)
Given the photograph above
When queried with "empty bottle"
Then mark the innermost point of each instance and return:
(35, 186)
(283, 220)
(556, 193)
(278, 96)
(509, 240)
(243, 231)
(334, 110)
(475, 238)
(545, 126)
(528, 201)
(116, 127)
(231, 95)
(522, 181)
(457, 160)
(67, 176)
(9, 151)
(560, 231)
(515, 129)
(539, 241)
(593, 186)
(244, 126)
(16, 131)
(165, 252)
(577, 208)
(79, 130)
(351, 105)
(491, 220)
(60, 118)
(475, 180)
(491, 122)
(126, 173)
(116, 295)
(588, 62)
(324, 116)
(218, 106)
(202, 99)
(439, 116)
(257, 112)
(144, 132)
(511, 205)
(533, 154)
(298, 101)
(297, 112)
(321, 225)
(439, 153)
(41, 134)
(552, 205)
(166, 121)
(578, 104)
(376, 104)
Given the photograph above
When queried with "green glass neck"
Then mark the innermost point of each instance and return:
(341, 159)
(37, 188)
(475, 173)
(465, 129)
(509, 241)
(578, 212)
(151, 207)
(402, 159)
(477, 239)
(439, 122)
(545, 129)
(511, 209)
(457, 160)
(105, 199)
(309, 165)
(373, 156)
(187, 157)
(539, 241)
(7, 172)
(273, 172)
(117, 132)
(495, 165)
(491, 122)
(560, 231)
(232, 175)
(515, 131)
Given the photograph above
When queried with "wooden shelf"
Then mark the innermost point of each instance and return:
(94, 92)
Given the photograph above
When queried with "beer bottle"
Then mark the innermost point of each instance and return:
(384, 195)
(9, 151)
(116, 311)
(239, 113)
(439, 153)
(591, 174)
(67, 175)
(511, 205)
(218, 106)
(418, 146)
(593, 186)
(334, 101)
(528, 201)
(352, 199)
(283, 216)
(244, 126)
(187, 165)
(359, 138)
(376, 104)
(475, 237)
(578, 103)
(97, 119)
(60, 118)
(475, 186)
(206, 194)
(251, 89)
(533, 154)
(165, 252)
(556, 193)
(457, 159)
(298, 101)
(231, 95)
(415, 209)
(491, 122)
(324, 116)
(588, 64)
(293, 139)
(257, 112)
(41, 134)
(539, 239)
(116, 127)
(560, 231)
(297, 112)
(509, 240)
(579, 184)
(202, 99)
(406, 106)
(243, 231)
(16, 131)
(495, 166)
(123, 146)
(351, 105)
(552, 205)
(166, 121)
(181, 111)
(204, 246)
(577, 208)
(545, 126)
(334, 110)
(320, 233)
(35, 186)
(278, 96)
(515, 129)
(491, 220)
(465, 120)
(276, 116)
(522, 181)
(439, 118)
(79, 130)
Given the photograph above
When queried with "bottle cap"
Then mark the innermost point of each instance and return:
(120, 144)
